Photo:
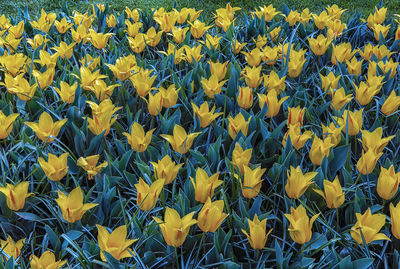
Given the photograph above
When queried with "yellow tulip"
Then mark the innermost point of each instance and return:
(56, 167)
(237, 46)
(211, 215)
(320, 149)
(44, 79)
(270, 55)
(391, 104)
(218, 69)
(296, 137)
(205, 185)
(296, 63)
(245, 97)
(373, 140)
(147, 196)
(137, 43)
(365, 93)
(212, 42)
(16, 195)
(132, 14)
(379, 30)
(88, 78)
(379, 51)
(369, 225)
(20, 86)
(46, 261)
(111, 21)
(340, 99)
(167, 21)
(6, 124)
(292, 17)
(268, 12)
(152, 38)
(81, 34)
(66, 91)
(329, 81)
(64, 50)
(193, 53)
(137, 138)
(237, 124)
(257, 235)
(103, 117)
(178, 54)
(252, 76)
(321, 20)
(334, 11)
(37, 41)
(99, 40)
(367, 161)
(187, 14)
(354, 66)
(272, 102)
(166, 169)
(335, 28)
(132, 29)
(89, 164)
(13, 64)
(332, 132)
(240, 157)
(72, 206)
(46, 129)
(12, 248)
(274, 82)
(300, 224)
(212, 86)
(142, 81)
(332, 193)
(174, 228)
(297, 182)
(295, 116)
(198, 28)
(395, 218)
(205, 115)
(154, 105)
(252, 181)
(115, 243)
(179, 34)
(180, 141)
(341, 52)
(63, 25)
(388, 183)
(123, 67)
(101, 90)
(377, 17)
(90, 62)
(355, 121)
(17, 30)
(169, 95)
(320, 44)
(253, 58)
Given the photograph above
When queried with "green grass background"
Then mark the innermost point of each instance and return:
(9, 7)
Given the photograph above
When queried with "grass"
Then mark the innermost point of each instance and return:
(10, 8)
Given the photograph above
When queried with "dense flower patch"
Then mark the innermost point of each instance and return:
(153, 139)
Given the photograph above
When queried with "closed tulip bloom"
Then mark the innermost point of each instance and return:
(373, 140)
(365, 93)
(138, 138)
(115, 243)
(6, 124)
(300, 225)
(391, 104)
(367, 161)
(369, 225)
(147, 196)
(46, 261)
(218, 69)
(245, 97)
(295, 116)
(240, 157)
(66, 91)
(205, 115)
(16, 195)
(155, 103)
(257, 235)
(332, 193)
(152, 37)
(297, 182)
(56, 167)
(180, 141)
(272, 102)
(253, 58)
(329, 82)
(237, 124)
(297, 138)
(193, 53)
(137, 43)
(320, 149)
(169, 95)
(204, 185)
(166, 169)
(46, 127)
(395, 219)
(252, 181)
(111, 21)
(319, 45)
(72, 206)
(340, 99)
(198, 28)
(296, 63)
(388, 183)
(103, 117)
(211, 216)
(212, 86)
(252, 76)
(174, 228)
(12, 248)
(355, 121)
(332, 132)
(354, 66)
(89, 164)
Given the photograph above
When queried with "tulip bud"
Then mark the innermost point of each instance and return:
(367, 161)
(6, 124)
(252, 181)
(237, 124)
(395, 218)
(147, 196)
(391, 104)
(16, 195)
(240, 157)
(205, 185)
(320, 149)
(245, 97)
(388, 183)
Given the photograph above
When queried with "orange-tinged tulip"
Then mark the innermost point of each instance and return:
(391, 104)
(46, 261)
(367, 161)
(388, 183)
(211, 215)
(320, 44)
(16, 195)
(245, 97)
(297, 182)
(89, 164)
(46, 128)
(180, 141)
(240, 157)
(395, 219)
(56, 167)
(174, 228)
(272, 102)
(252, 76)
(341, 52)
(354, 66)
(66, 91)
(138, 138)
(204, 185)
(115, 243)
(355, 122)
(300, 224)
(111, 21)
(297, 138)
(320, 149)
(332, 193)
(258, 234)
(72, 206)
(295, 116)
(147, 195)
(369, 225)
(193, 53)
(198, 28)
(377, 17)
(237, 124)
(340, 99)
(218, 69)
(252, 181)
(12, 248)
(332, 132)
(205, 115)
(373, 140)
(166, 169)
(253, 58)
(6, 124)
(274, 82)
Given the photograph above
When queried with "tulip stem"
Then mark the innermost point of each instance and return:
(358, 178)
(337, 220)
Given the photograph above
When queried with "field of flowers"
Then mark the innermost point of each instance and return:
(151, 139)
